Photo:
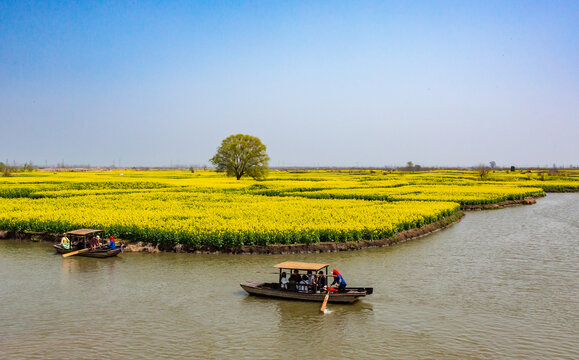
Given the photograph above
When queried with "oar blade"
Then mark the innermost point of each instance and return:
(75, 252)
(325, 302)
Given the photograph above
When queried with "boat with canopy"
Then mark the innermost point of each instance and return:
(310, 293)
(77, 242)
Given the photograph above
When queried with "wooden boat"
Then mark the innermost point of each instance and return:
(274, 289)
(98, 253)
(79, 240)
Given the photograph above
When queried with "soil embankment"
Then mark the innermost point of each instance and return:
(29, 235)
(526, 201)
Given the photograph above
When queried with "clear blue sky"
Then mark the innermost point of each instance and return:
(357, 83)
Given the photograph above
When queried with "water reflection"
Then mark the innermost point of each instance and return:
(78, 264)
(292, 324)
(302, 309)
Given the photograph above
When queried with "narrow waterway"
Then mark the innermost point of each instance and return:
(500, 284)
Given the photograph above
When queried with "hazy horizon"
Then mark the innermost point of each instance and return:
(322, 84)
(210, 167)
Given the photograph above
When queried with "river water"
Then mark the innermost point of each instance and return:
(500, 284)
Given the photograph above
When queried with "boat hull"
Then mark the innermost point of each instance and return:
(99, 253)
(266, 289)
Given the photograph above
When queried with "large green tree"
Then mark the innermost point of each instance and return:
(241, 155)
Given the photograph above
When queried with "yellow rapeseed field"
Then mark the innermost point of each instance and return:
(208, 208)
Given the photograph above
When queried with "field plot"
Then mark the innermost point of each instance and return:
(465, 195)
(207, 208)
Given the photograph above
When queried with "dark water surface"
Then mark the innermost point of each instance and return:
(500, 284)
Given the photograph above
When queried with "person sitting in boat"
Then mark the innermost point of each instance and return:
(65, 242)
(320, 281)
(311, 278)
(112, 244)
(312, 281)
(94, 243)
(283, 281)
(294, 280)
(339, 281)
(295, 277)
(303, 285)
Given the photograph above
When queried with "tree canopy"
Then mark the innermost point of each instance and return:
(241, 155)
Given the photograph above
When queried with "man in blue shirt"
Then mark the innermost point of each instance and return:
(339, 281)
(112, 243)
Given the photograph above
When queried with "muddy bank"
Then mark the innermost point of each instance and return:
(526, 201)
(562, 190)
(30, 235)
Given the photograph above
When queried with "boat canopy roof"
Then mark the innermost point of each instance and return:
(84, 232)
(295, 265)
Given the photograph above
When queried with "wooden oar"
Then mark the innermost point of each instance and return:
(325, 300)
(75, 252)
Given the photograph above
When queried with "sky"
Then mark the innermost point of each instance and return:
(321, 83)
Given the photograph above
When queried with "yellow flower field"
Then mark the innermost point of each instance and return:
(207, 208)
(221, 218)
(465, 195)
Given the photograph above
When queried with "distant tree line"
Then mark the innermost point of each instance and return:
(6, 169)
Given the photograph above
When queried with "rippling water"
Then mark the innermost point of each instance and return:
(499, 285)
